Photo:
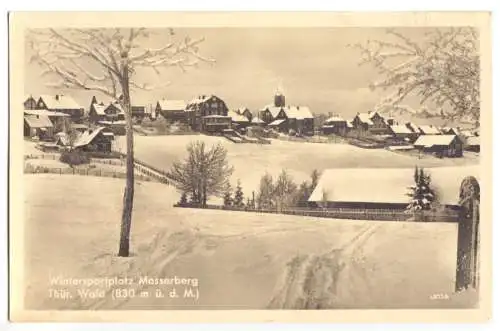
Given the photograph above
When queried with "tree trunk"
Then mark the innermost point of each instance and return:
(128, 195)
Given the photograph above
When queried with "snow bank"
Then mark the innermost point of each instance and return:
(242, 260)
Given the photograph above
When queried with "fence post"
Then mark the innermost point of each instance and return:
(467, 272)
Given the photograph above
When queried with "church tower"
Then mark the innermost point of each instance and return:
(279, 100)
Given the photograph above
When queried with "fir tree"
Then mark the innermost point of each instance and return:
(183, 200)
(228, 200)
(238, 195)
(314, 180)
(421, 194)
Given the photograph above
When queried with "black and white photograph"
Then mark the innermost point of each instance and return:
(183, 167)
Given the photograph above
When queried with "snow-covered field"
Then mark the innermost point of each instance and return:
(241, 260)
(251, 161)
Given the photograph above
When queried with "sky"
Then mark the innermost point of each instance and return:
(313, 67)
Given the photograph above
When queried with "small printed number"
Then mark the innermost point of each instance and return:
(439, 296)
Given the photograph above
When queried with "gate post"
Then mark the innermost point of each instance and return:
(467, 272)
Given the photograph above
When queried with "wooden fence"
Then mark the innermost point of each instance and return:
(346, 213)
(151, 171)
(32, 169)
(116, 162)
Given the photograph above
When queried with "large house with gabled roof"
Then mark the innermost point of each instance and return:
(111, 112)
(208, 113)
(440, 144)
(171, 110)
(370, 122)
(286, 118)
(61, 103)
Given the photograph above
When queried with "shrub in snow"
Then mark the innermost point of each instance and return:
(421, 194)
(74, 157)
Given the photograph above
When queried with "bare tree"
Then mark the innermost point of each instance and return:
(285, 191)
(265, 193)
(204, 173)
(107, 61)
(443, 68)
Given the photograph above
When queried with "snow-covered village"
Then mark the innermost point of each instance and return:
(251, 168)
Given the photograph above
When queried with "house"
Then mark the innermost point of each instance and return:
(371, 188)
(98, 111)
(137, 112)
(335, 125)
(62, 104)
(171, 110)
(279, 125)
(38, 126)
(428, 130)
(300, 119)
(473, 144)
(245, 112)
(286, 118)
(95, 140)
(117, 127)
(402, 132)
(441, 145)
(208, 113)
(58, 119)
(238, 120)
(30, 102)
(256, 121)
(370, 122)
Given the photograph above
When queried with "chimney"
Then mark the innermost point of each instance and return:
(57, 97)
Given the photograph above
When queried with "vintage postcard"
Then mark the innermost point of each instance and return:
(234, 167)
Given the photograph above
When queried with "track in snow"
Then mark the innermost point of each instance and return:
(319, 282)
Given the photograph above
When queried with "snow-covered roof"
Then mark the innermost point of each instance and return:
(241, 110)
(335, 118)
(122, 122)
(467, 133)
(199, 99)
(388, 185)
(434, 140)
(401, 129)
(172, 105)
(79, 126)
(257, 120)
(474, 141)
(276, 122)
(235, 117)
(44, 112)
(60, 102)
(365, 118)
(99, 109)
(429, 129)
(215, 116)
(273, 110)
(86, 137)
(298, 112)
(35, 121)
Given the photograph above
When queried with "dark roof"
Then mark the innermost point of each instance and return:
(38, 121)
